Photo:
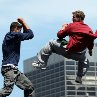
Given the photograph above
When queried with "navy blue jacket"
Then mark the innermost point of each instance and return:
(11, 46)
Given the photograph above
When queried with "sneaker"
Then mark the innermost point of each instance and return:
(38, 65)
(78, 79)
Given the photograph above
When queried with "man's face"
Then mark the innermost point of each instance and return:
(17, 29)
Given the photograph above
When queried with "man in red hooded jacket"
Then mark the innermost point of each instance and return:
(81, 39)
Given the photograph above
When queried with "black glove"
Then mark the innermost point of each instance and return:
(63, 41)
(90, 52)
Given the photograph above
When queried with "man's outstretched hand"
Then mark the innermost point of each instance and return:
(64, 26)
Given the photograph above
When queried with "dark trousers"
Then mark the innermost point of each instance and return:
(54, 46)
(14, 76)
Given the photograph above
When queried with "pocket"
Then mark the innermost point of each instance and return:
(5, 69)
(23, 81)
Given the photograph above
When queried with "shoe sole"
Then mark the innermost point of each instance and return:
(78, 82)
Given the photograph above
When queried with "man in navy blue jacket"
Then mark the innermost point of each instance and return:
(11, 54)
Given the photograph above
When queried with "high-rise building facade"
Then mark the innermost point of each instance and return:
(58, 80)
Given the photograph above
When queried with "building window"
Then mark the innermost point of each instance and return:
(52, 86)
(48, 82)
(38, 90)
(63, 93)
(34, 72)
(57, 70)
(42, 93)
(57, 84)
(57, 94)
(57, 65)
(47, 72)
(62, 83)
(70, 87)
(70, 92)
(57, 79)
(61, 68)
(43, 88)
(92, 94)
(61, 73)
(81, 93)
(38, 75)
(42, 74)
(57, 89)
(62, 88)
(62, 78)
(38, 95)
(48, 77)
(62, 63)
(91, 63)
(39, 85)
(34, 77)
(38, 80)
(81, 88)
(70, 72)
(70, 67)
(52, 71)
(43, 83)
(43, 79)
(52, 91)
(52, 95)
(47, 92)
(47, 87)
(90, 73)
(51, 66)
(91, 69)
(91, 88)
(69, 83)
(38, 71)
(57, 75)
(70, 62)
(52, 80)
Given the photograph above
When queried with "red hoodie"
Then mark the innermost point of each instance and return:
(80, 36)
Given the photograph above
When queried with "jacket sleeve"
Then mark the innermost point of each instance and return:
(26, 35)
(65, 32)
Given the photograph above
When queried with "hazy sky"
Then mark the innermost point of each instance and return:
(45, 18)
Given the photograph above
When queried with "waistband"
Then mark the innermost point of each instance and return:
(11, 65)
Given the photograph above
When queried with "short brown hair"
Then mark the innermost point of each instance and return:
(15, 24)
(79, 14)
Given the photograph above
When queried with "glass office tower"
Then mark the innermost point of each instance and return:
(58, 80)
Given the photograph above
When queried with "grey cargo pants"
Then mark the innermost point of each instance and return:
(14, 76)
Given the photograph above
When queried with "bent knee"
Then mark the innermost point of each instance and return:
(5, 92)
